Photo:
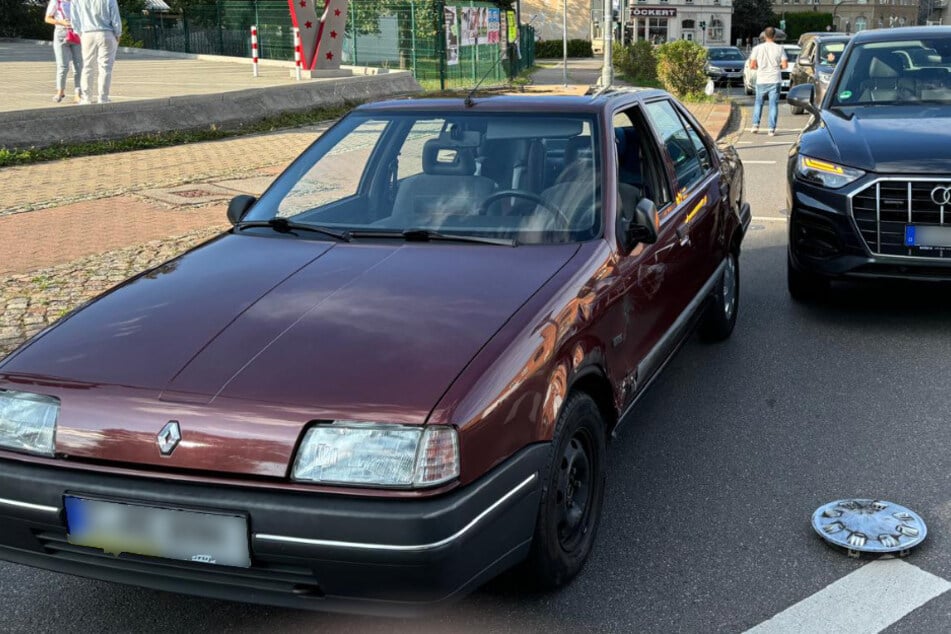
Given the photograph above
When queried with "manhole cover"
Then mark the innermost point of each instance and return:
(195, 193)
(869, 526)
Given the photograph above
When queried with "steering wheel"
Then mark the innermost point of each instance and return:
(518, 193)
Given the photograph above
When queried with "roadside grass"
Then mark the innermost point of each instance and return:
(26, 156)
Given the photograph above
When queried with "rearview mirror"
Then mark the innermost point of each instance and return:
(641, 228)
(239, 206)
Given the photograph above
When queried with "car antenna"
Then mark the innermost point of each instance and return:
(468, 100)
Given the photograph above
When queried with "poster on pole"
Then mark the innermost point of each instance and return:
(452, 36)
(493, 26)
(483, 33)
(470, 26)
(513, 27)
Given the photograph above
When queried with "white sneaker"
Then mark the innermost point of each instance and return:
(754, 129)
(772, 132)
(105, 100)
(84, 101)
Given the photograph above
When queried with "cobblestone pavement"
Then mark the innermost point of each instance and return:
(31, 301)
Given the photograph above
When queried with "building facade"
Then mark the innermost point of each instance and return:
(657, 21)
(851, 16)
(706, 22)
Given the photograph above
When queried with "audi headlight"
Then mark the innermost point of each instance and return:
(28, 422)
(371, 454)
(825, 173)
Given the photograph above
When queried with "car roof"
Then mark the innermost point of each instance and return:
(805, 37)
(517, 103)
(901, 33)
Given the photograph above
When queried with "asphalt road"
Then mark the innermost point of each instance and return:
(711, 482)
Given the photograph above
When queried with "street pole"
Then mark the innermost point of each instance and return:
(607, 32)
(564, 43)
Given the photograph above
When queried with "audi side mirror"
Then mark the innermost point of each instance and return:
(803, 96)
(238, 207)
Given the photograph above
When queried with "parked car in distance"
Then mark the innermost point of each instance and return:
(870, 177)
(805, 37)
(816, 64)
(749, 74)
(395, 376)
(725, 64)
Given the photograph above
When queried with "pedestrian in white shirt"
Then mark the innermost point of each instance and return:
(768, 60)
(99, 25)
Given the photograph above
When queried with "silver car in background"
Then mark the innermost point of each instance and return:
(749, 74)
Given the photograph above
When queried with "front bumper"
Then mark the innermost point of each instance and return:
(824, 239)
(310, 551)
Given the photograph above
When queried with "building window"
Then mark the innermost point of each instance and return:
(686, 25)
(716, 30)
(860, 24)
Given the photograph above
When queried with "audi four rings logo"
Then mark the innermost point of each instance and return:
(941, 195)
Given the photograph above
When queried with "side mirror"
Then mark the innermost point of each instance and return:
(239, 206)
(803, 96)
(804, 61)
(641, 227)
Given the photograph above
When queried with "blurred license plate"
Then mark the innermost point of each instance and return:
(927, 236)
(158, 532)
(785, 83)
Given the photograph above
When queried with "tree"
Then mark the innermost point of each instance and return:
(750, 17)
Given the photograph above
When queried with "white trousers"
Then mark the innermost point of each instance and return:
(99, 53)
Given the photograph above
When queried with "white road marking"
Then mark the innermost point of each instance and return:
(749, 162)
(866, 601)
(769, 219)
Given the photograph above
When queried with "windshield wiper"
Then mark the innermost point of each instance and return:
(283, 225)
(427, 235)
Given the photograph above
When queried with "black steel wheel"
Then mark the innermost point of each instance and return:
(572, 495)
(720, 317)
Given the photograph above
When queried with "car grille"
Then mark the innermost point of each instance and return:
(883, 209)
(262, 576)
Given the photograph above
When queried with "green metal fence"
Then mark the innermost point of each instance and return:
(415, 35)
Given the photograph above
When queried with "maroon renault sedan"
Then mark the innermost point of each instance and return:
(395, 375)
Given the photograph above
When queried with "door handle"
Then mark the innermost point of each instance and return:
(683, 235)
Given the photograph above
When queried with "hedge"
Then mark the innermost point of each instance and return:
(555, 48)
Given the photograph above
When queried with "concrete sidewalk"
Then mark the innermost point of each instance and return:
(155, 91)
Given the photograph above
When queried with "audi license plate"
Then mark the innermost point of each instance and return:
(117, 528)
(928, 236)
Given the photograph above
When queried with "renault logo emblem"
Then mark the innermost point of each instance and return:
(169, 437)
(941, 195)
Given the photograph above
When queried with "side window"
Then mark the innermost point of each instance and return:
(639, 161)
(703, 152)
(411, 153)
(677, 143)
(337, 176)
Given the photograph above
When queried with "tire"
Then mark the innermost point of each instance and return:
(803, 286)
(720, 317)
(572, 496)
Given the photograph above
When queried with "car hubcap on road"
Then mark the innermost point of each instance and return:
(574, 488)
(729, 287)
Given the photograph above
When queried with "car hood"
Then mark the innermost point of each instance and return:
(888, 139)
(247, 339)
(727, 63)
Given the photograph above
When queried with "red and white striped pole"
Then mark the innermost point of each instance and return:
(297, 52)
(254, 50)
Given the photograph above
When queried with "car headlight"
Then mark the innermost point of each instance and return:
(28, 422)
(714, 70)
(825, 173)
(371, 454)
(825, 78)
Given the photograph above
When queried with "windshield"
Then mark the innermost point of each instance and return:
(792, 54)
(391, 173)
(906, 71)
(830, 52)
(724, 54)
